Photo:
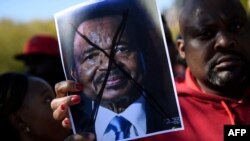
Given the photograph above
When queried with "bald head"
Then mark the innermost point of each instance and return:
(191, 9)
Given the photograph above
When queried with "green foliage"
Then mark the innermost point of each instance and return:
(246, 4)
(13, 36)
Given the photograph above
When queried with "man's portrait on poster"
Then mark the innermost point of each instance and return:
(116, 50)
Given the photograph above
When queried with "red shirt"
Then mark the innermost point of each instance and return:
(204, 115)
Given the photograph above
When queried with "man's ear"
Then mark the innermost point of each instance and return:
(73, 73)
(181, 48)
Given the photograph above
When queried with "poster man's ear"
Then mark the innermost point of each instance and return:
(181, 48)
(73, 73)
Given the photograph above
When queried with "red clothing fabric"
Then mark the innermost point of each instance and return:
(204, 115)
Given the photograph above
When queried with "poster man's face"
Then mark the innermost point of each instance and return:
(91, 64)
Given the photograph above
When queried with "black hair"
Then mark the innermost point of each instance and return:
(142, 30)
(13, 88)
(137, 20)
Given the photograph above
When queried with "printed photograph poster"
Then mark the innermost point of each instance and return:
(117, 50)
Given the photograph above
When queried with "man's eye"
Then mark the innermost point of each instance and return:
(89, 57)
(206, 34)
(236, 26)
(121, 49)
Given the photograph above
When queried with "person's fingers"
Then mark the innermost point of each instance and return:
(67, 101)
(81, 137)
(63, 87)
(61, 112)
(66, 123)
(60, 106)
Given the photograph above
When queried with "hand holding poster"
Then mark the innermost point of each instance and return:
(117, 50)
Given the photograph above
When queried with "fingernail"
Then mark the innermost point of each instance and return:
(66, 122)
(62, 107)
(75, 99)
(79, 86)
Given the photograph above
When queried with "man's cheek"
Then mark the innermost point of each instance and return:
(88, 74)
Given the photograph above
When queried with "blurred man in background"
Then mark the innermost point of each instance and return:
(42, 58)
